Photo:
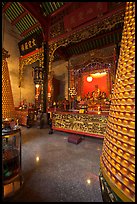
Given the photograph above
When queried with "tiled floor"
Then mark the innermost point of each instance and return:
(65, 172)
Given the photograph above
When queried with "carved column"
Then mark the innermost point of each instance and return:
(117, 161)
(52, 49)
(50, 86)
(45, 72)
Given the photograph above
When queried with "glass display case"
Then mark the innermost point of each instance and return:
(11, 161)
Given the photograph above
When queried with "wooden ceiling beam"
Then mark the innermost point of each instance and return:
(19, 18)
(6, 6)
(66, 5)
(70, 48)
(95, 38)
(61, 52)
(30, 29)
(34, 10)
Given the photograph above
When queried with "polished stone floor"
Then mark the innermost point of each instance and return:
(57, 171)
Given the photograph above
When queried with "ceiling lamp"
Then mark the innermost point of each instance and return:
(37, 86)
(89, 78)
(98, 74)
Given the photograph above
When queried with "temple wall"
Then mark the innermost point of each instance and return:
(10, 39)
(61, 73)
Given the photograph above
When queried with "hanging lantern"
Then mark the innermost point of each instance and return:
(89, 78)
(37, 86)
(38, 75)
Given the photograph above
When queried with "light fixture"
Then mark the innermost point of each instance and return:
(49, 95)
(88, 181)
(37, 159)
(89, 78)
(38, 75)
(37, 86)
(99, 110)
(98, 74)
(72, 91)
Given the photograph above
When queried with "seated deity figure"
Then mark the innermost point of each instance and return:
(103, 96)
(96, 94)
(88, 96)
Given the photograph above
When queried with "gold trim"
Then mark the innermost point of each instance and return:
(86, 123)
(38, 56)
(118, 191)
(5, 54)
(85, 33)
(90, 31)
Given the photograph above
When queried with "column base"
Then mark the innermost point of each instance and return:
(107, 194)
(45, 121)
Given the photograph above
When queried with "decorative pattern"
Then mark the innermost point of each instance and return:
(72, 92)
(8, 110)
(36, 56)
(57, 29)
(22, 117)
(86, 123)
(85, 33)
(71, 78)
(118, 154)
(90, 31)
(102, 56)
(50, 85)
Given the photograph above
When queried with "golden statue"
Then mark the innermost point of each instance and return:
(97, 93)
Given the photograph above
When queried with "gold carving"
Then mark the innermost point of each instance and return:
(85, 33)
(57, 29)
(92, 124)
(119, 140)
(38, 56)
(92, 30)
(5, 54)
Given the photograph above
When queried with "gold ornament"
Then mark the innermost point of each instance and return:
(117, 161)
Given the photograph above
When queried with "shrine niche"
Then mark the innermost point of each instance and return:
(97, 65)
(82, 35)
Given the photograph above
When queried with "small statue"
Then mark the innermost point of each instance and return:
(88, 95)
(103, 97)
(97, 93)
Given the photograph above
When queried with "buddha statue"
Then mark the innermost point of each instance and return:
(96, 94)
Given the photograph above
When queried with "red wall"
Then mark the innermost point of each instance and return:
(90, 86)
(56, 89)
(86, 12)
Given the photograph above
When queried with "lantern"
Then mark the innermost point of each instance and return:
(89, 78)
(38, 75)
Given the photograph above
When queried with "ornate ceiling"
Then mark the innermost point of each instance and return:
(30, 17)
(104, 55)
(107, 39)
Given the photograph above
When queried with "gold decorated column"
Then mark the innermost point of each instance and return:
(117, 161)
(8, 109)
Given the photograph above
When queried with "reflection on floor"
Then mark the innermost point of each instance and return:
(57, 171)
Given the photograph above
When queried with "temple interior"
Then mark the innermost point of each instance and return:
(68, 101)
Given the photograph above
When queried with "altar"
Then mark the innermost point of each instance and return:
(88, 124)
(86, 110)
